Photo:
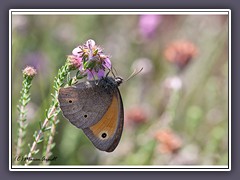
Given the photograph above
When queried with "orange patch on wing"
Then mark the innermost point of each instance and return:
(109, 121)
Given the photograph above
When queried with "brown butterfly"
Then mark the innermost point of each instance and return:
(95, 107)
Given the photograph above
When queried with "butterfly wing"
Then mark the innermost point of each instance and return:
(85, 103)
(106, 134)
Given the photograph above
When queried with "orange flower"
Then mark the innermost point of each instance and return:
(180, 52)
(168, 141)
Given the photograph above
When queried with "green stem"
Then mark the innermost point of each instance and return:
(25, 98)
(38, 137)
(50, 143)
(172, 105)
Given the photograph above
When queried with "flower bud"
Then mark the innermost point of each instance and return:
(29, 71)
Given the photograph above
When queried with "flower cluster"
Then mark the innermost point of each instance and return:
(90, 60)
(29, 72)
(180, 52)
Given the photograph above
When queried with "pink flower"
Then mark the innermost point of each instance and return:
(136, 115)
(93, 62)
(77, 52)
(74, 62)
(29, 71)
(148, 25)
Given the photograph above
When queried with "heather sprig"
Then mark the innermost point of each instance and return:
(28, 74)
(50, 121)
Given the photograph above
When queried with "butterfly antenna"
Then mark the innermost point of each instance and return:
(109, 70)
(115, 70)
(134, 73)
(112, 68)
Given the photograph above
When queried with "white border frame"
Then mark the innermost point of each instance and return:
(120, 12)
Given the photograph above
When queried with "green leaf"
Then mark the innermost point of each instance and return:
(57, 121)
(23, 133)
(53, 145)
(36, 151)
(35, 134)
(18, 108)
(70, 82)
(40, 125)
(78, 72)
(47, 129)
(25, 126)
(40, 140)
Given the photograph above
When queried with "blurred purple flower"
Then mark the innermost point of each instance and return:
(37, 60)
(148, 25)
(92, 59)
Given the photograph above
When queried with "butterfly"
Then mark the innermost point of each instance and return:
(96, 107)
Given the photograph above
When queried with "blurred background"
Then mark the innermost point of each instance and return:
(176, 109)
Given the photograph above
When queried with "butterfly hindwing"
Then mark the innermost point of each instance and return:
(106, 134)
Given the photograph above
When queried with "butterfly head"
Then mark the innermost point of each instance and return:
(118, 80)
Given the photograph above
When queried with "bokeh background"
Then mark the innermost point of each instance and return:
(176, 109)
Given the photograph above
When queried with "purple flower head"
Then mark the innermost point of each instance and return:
(91, 59)
(148, 25)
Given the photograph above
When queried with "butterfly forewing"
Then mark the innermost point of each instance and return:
(84, 104)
